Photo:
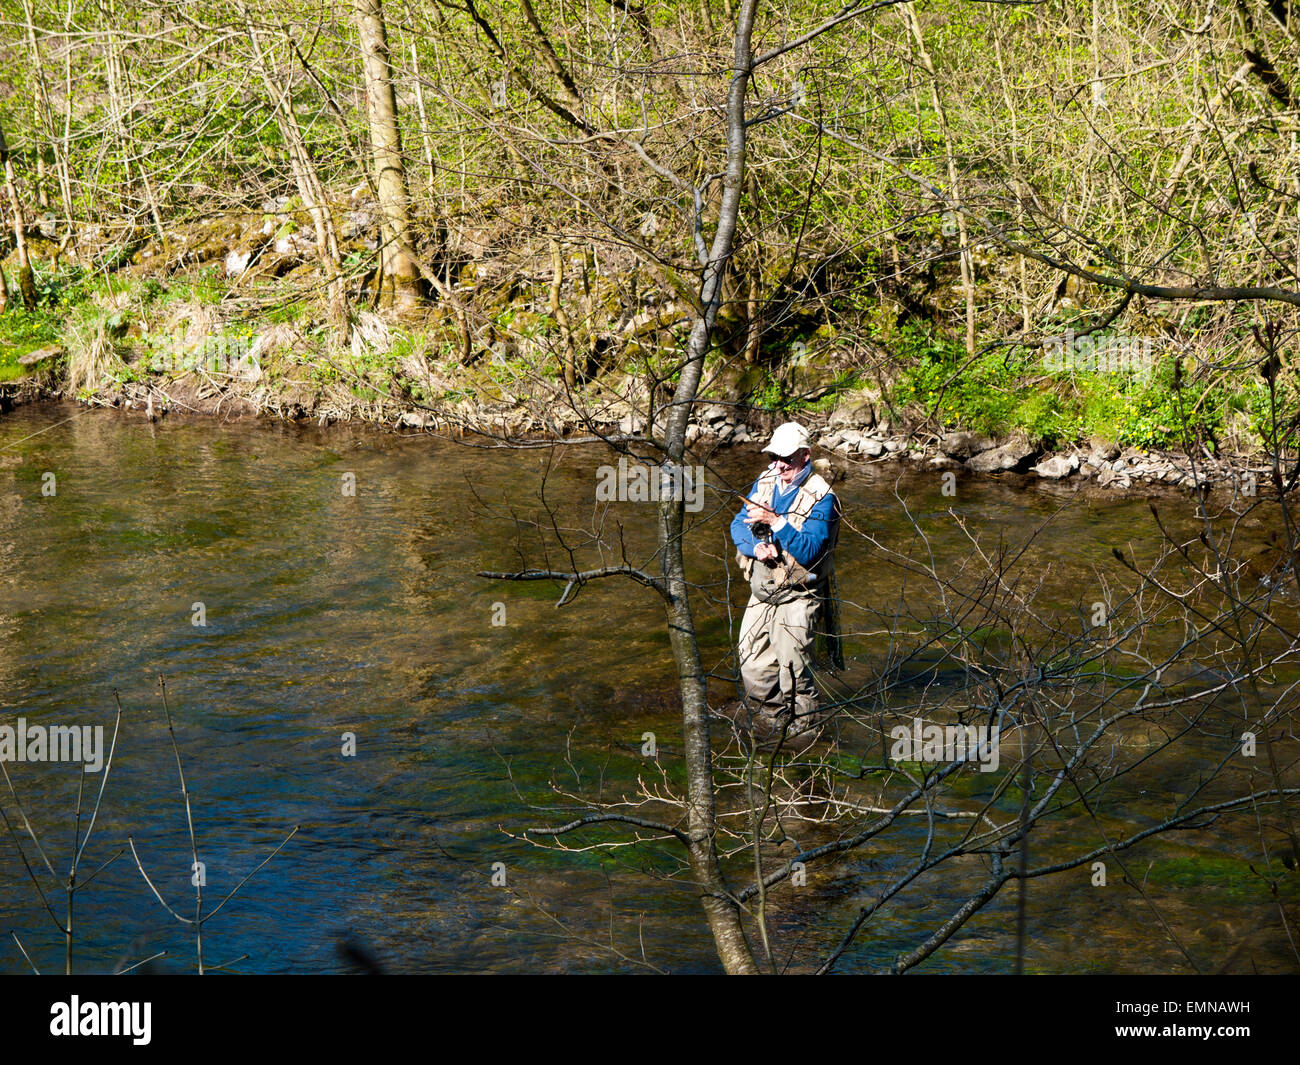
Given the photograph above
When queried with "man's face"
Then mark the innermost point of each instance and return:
(787, 468)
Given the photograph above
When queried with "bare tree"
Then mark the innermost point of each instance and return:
(310, 188)
(699, 836)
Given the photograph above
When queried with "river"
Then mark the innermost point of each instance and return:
(327, 613)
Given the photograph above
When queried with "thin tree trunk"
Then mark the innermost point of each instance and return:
(1017, 175)
(963, 235)
(568, 358)
(569, 88)
(42, 199)
(433, 203)
(65, 175)
(1196, 127)
(308, 182)
(119, 93)
(424, 123)
(400, 276)
(720, 908)
(753, 302)
(26, 279)
(41, 102)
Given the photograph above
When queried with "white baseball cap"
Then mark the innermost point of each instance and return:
(787, 439)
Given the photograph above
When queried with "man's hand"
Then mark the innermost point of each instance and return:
(765, 552)
(753, 513)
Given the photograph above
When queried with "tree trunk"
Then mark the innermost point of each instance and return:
(26, 279)
(120, 106)
(401, 284)
(1026, 321)
(753, 301)
(954, 184)
(568, 357)
(308, 181)
(424, 126)
(65, 175)
(41, 106)
(722, 912)
(568, 87)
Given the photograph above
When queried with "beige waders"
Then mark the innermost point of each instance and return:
(784, 609)
(776, 642)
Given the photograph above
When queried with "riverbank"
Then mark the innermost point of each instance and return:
(851, 432)
(537, 347)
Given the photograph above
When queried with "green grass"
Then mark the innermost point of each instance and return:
(1003, 391)
(23, 331)
(288, 313)
(204, 285)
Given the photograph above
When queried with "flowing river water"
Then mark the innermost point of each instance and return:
(330, 614)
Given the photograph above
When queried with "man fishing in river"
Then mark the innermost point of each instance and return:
(785, 540)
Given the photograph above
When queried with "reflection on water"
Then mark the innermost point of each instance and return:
(328, 613)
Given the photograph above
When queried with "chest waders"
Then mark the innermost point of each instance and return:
(785, 579)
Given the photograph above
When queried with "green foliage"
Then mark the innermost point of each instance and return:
(826, 403)
(1162, 416)
(1008, 389)
(204, 285)
(62, 288)
(1265, 415)
(22, 331)
(288, 313)
(770, 395)
(982, 396)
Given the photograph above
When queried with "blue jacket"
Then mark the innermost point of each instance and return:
(807, 545)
